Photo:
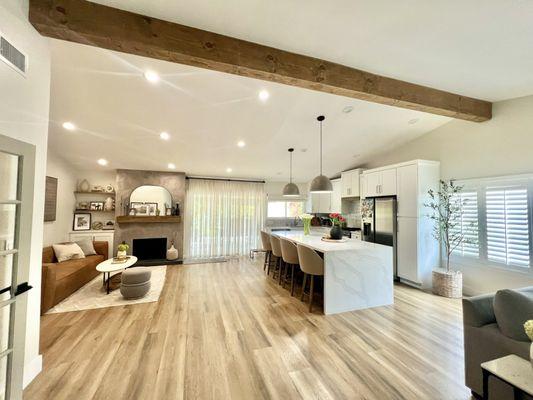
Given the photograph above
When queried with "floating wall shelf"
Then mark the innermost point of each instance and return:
(131, 219)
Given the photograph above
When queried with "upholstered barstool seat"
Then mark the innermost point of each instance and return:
(289, 253)
(135, 282)
(312, 265)
(276, 252)
(267, 247)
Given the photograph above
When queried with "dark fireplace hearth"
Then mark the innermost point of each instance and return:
(151, 251)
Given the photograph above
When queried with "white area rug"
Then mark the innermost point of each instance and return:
(93, 295)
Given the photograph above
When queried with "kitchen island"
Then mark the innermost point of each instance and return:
(357, 274)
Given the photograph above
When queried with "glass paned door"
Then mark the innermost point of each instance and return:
(15, 231)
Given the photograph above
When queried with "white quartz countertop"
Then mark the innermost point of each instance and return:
(314, 241)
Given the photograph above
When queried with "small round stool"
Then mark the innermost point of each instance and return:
(135, 282)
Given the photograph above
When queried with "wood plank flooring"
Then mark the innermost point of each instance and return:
(226, 331)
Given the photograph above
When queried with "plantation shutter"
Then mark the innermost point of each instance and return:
(468, 225)
(507, 225)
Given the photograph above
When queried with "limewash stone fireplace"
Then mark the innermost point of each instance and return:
(126, 181)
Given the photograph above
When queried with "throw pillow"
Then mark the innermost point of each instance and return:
(67, 251)
(512, 309)
(87, 247)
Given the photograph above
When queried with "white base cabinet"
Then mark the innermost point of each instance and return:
(95, 236)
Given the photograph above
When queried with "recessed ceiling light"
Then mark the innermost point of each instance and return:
(151, 76)
(164, 135)
(102, 161)
(171, 166)
(356, 155)
(278, 173)
(413, 121)
(347, 109)
(263, 95)
(69, 126)
(229, 170)
(240, 143)
(303, 150)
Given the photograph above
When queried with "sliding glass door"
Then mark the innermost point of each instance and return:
(222, 218)
(17, 160)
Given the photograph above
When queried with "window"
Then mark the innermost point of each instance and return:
(498, 213)
(507, 225)
(468, 225)
(285, 209)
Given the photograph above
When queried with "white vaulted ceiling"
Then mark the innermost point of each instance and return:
(119, 116)
(478, 49)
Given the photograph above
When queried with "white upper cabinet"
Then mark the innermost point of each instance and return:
(407, 191)
(380, 183)
(320, 203)
(387, 185)
(350, 183)
(336, 202)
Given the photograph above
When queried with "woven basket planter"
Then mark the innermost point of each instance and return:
(448, 284)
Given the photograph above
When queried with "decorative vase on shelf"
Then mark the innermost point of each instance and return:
(335, 233)
(109, 204)
(84, 186)
(172, 253)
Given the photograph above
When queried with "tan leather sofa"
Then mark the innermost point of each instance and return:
(60, 280)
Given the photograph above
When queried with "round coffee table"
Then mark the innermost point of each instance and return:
(108, 266)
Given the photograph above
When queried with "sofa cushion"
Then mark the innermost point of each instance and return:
(512, 309)
(67, 251)
(87, 247)
(71, 267)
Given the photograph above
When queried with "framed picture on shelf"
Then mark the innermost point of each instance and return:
(82, 222)
(96, 206)
(82, 205)
(138, 209)
(152, 208)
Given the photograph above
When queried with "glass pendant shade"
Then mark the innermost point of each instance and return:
(321, 183)
(290, 189)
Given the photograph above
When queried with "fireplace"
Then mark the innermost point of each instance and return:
(150, 249)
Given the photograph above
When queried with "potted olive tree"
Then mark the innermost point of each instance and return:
(446, 208)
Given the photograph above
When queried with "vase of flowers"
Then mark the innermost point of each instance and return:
(446, 207)
(336, 222)
(528, 327)
(306, 218)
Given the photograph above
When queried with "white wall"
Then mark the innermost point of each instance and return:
(24, 111)
(501, 146)
(57, 231)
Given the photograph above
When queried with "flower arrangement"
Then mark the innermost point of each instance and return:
(306, 218)
(528, 327)
(122, 248)
(336, 219)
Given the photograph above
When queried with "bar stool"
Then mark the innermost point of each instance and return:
(276, 252)
(289, 253)
(267, 247)
(311, 264)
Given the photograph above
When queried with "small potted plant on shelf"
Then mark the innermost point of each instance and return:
(122, 250)
(446, 208)
(336, 222)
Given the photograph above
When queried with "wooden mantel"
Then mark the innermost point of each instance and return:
(131, 219)
(93, 24)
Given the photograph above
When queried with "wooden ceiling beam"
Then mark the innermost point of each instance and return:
(93, 24)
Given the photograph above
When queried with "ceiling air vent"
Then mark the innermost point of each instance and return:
(12, 56)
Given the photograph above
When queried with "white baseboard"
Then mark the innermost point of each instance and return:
(32, 369)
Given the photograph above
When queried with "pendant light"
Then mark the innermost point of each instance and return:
(321, 183)
(290, 189)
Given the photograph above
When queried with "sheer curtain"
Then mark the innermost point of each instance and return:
(222, 218)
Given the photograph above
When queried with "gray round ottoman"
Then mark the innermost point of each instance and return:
(135, 282)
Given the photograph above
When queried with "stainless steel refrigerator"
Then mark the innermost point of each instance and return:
(378, 217)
